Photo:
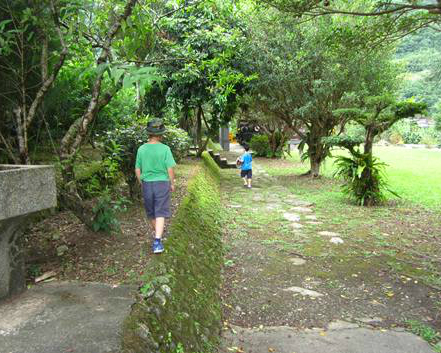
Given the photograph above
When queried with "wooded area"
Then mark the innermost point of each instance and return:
(79, 80)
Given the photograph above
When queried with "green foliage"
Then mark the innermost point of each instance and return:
(420, 53)
(408, 131)
(178, 141)
(364, 178)
(178, 309)
(438, 116)
(105, 213)
(411, 137)
(307, 72)
(96, 177)
(201, 52)
(259, 144)
(426, 332)
(345, 141)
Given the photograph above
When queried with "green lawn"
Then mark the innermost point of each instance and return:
(415, 174)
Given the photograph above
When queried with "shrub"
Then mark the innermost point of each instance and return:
(396, 138)
(178, 141)
(364, 178)
(430, 137)
(105, 211)
(260, 145)
(412, 137)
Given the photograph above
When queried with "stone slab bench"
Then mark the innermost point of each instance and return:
(24, 190)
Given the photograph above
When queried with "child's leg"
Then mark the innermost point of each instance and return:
(249, 182)
(159, 227)
(244, 181)
(249, 177)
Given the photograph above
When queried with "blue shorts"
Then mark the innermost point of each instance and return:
(156, 198)
(246, 173)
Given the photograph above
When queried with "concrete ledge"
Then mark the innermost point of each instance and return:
(26, 189)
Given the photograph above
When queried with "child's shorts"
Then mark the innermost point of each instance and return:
(246, 173)
(156, 198)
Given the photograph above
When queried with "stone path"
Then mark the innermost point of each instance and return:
(63, 317)
(262, 290)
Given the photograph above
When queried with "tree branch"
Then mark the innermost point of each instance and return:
(77, 131)
(9, 149)
(49, 80)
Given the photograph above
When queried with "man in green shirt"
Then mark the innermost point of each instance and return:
(154, 170)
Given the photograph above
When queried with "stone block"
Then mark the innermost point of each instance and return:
(23, 190)
(26, 189)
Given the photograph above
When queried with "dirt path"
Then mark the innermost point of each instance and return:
(287, 269)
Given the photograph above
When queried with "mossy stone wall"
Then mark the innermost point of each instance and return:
(178, 308)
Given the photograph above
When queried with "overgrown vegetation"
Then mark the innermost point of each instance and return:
(178, 306)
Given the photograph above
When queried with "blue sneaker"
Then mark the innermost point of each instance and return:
(157, 246)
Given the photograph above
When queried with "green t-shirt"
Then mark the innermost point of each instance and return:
(154, 159)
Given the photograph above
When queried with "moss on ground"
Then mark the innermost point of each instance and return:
(178, 307)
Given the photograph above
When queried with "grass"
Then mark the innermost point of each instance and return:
(427, 333)
(412, 173)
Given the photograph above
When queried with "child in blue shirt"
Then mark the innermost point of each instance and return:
(246, 172)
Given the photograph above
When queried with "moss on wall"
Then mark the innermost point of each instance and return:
(211, 164)
(178, 307)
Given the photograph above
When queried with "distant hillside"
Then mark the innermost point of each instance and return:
(421, 54)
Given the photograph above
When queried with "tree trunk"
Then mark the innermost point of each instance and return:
(369, 141)
(199, 131)
(314, 167)
(316, 154)
(22, 135)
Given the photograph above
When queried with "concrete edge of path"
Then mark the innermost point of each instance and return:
(339, 337)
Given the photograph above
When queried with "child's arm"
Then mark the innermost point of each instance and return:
(138, 175)
(171, 176)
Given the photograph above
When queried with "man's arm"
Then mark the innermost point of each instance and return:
(138, 175)
(171, 176)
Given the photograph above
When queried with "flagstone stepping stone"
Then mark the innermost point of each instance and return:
(336, 240)
(278, 190)
(314, 222)
(235, 206)
(298, 203)
(272, 206)
(311, 217)
(301, 209)
(297, 261)
(291, 217)
(296, 225)
(303, 291)
(258, 198)
(329, 234)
